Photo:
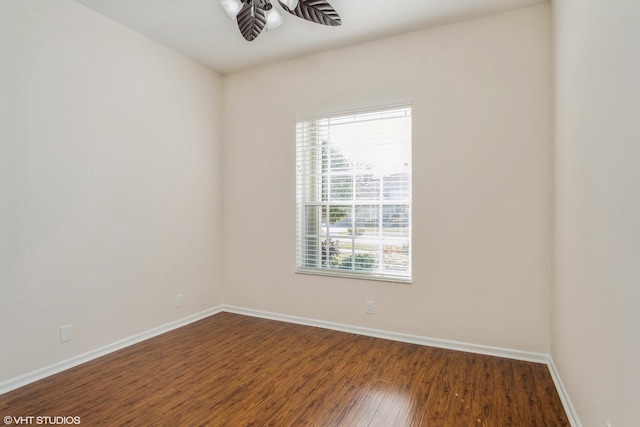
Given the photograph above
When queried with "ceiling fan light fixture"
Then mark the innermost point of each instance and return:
(253, 15)
(291, 4)
(232, 7)
(274, 19)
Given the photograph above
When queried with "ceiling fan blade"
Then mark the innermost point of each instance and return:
(318, 11)
(251, 23)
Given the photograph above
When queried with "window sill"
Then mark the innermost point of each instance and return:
(354, 275)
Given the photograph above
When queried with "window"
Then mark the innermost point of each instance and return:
(353, 193)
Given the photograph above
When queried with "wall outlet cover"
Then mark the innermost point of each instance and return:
(370, 307)
(66, 333)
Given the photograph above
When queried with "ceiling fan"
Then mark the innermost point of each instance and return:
(254, 15)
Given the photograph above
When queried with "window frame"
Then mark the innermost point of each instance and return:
(309, 225)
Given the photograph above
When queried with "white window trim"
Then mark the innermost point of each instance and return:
(303, 203)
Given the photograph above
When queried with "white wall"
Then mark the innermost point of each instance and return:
(596, 319)
(109, 183)
(482, 156)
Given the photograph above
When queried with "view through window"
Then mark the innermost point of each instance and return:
(354, 194)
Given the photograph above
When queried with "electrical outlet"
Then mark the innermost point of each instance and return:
(369, 307)
(179, 300)
(66, 333)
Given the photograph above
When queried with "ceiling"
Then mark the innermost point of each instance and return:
(200, 29)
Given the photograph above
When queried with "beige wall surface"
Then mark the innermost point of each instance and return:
(110, 183)
(596, 320)
(482, 189)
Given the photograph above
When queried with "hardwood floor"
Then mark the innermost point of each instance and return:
(233, 370)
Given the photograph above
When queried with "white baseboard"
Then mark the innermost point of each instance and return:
(39, 374)
(395, 336)
(564, 396)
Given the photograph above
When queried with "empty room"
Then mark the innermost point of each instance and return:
(320, 212)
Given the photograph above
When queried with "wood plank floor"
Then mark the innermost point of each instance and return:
(233, 370)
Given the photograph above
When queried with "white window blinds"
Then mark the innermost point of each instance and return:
(353, 193)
